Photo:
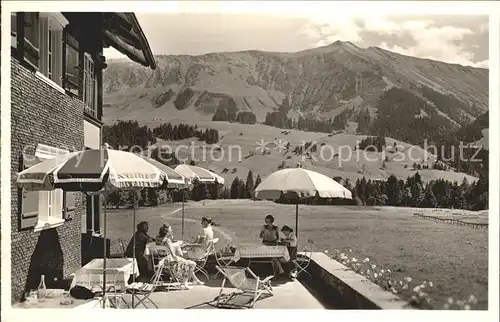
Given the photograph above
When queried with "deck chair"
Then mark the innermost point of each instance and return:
(163, 269)
(142, 291)
(302, 261)
(201, 263)
(223, 259)
(237, 277)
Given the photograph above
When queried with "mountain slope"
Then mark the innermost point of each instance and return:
(407, 98)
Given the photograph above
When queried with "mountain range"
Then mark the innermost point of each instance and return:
(321, 83)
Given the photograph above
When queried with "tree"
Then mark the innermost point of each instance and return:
(235, 188)
(394, 194)
(249, 186)
(417, 194)
(429, 200)
(144, 201)
(153, 196)
(133, 198)
(407, 197)
(257, 181)
(241, 190)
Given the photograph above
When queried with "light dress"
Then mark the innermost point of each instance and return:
(181, 267)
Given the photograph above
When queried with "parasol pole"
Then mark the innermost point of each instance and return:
(297, 219)
(134, 257)
(104, 253)
(182, 235)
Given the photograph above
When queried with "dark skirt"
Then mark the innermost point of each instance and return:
(292, 251)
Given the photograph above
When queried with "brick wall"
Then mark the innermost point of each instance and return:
(42, 115)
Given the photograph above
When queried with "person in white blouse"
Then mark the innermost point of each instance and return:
(207, 234)
(201, 244)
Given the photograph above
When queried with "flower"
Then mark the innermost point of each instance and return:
(382, 271)
(467, 307)
(388, 271)
(405, 287)
(416, 289)
(400, 282)
(375, 275)
(350, 250)
(354, 260)
(368, 271)
(422, 294)
(430, 284)
(366, 260)
(450, 300)
(326, 251)
(472, 299)
(408, 279)
(374, 266)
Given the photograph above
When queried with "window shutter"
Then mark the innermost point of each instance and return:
(27, 200)
(69, 202)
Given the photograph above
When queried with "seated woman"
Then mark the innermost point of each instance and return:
(291, 241)
(270, 237)
(141, 240)
(269, 232)
(165, 233)
(181, 268)
(202, 242)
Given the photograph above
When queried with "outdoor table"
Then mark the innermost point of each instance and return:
(261, 251)
(161, 250)
(118, 272)
(52, 300)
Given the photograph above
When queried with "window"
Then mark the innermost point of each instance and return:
(43, 209)
(13, 29)
(72, 64)
(89, 86)
(31, 38)
(51, 56)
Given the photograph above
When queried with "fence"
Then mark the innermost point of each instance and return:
(451, 221)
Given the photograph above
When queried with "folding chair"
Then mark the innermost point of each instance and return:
(142, 291)
(113, 295)
(223, 259)
(121, 253)
(302, 261)
(254, 286)
(201, 263)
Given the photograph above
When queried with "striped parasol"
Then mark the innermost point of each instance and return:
(97, 171)
(301, 182)
(174, 179)
(92, 171)
(193, 172)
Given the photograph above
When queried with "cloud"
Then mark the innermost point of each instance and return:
(425, 38)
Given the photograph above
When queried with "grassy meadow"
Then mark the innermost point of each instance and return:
(454, 258)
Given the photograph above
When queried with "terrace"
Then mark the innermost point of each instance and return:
(331, 286)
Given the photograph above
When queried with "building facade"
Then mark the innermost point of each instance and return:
(56, 106)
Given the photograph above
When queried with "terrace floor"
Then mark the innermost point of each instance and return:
(287, 295)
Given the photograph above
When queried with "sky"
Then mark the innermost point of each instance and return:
(197, 28)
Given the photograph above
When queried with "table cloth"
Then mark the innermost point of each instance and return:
(261, 251)
(118, 272)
